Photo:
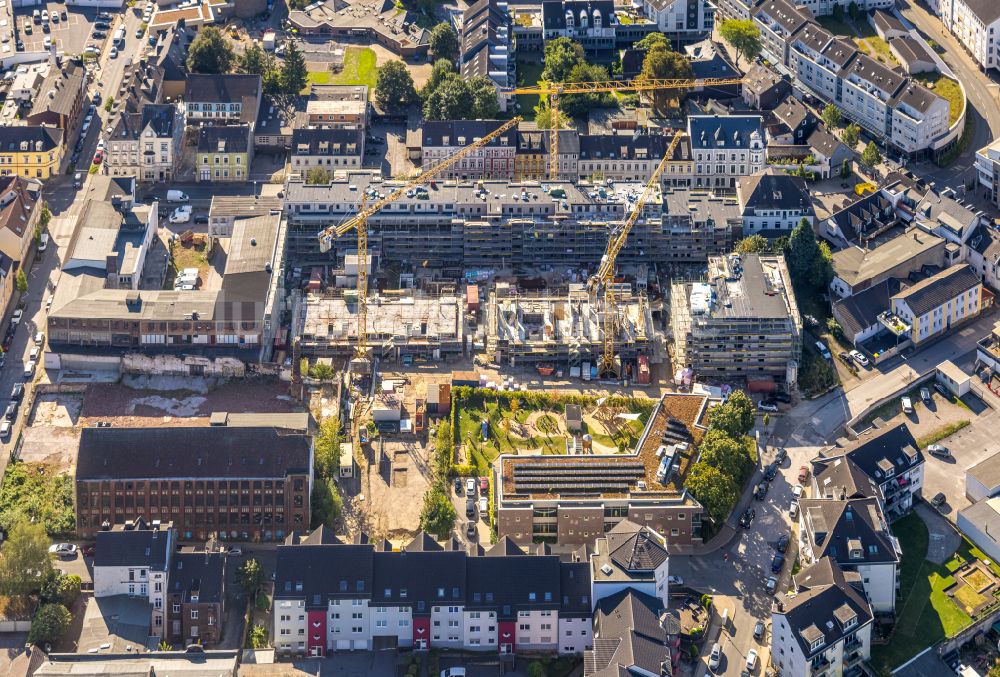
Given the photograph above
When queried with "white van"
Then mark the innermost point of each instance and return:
(823, 350)
(176, 196)
(43, 242)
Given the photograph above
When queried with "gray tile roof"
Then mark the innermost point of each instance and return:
(141, 546)
(554, 12)
(627, 635)
(860, 311)
(986, 11)
(231, 139)
(835, 527)
(895, 444)
(635, 548)
(203, 573)
(723, 131)
(435, 131)
(770, 190)
(226, 88)
(937, 290)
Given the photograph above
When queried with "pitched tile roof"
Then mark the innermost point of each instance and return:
(771, 190)
(627, 635)
(860, 311)
(937, 290)
(852, 532)
(231, 139)
(635, 548)
(895, 445)
(201, 573)
(143, 545)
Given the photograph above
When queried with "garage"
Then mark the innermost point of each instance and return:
(360, 645)
(343, 645)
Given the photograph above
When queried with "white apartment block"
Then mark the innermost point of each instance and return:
(725, 148)
(976, 24)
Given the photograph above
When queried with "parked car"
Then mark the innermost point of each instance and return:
(35, 352)
(715, 657)
(201, 218)
(98, 157)
(751, 659)
(39, 338)
(11, 413)
(746, 519)
(761, 491)
(16, 317)
(62, 549)
(925, 394)
(484, 509)
(767, 405)
(859, 358)
(17, 392)
(771, 585)
(758, 630)
(803, 474)
(29, 369)
(777, 562)
(5, 428)
(939, 450)
(470, 507)
(938, 500)
(235, 551)
(907, 404)
(782, 397)
(780, 456)
(458, 486)
(771, 471)
(793, 510)
(484, 486)
(782, 544)
(470, 486)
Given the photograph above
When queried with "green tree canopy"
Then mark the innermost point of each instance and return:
(250, 576)
(735, 417)
(726, 454)
(60, 588)
(294, 75)
(716, 492)
(871, 156)
(483, 93)
(443, 42)
(49, 624)
(444, 451)
(851, 134)
(652, 41)
(803, 253)
(754, 244)
(561, 56)
(663, 62)
(210, 52)
(454, 98)
(317, 176)
(327, 504)
(21, 282)
(744, 37)
(578, 105)
(832, 116)
(394, 90)
(24, 559)
(326, 448)
(439, 73)
(321, 371)
(438, 515)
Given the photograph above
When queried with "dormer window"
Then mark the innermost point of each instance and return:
(817, 645)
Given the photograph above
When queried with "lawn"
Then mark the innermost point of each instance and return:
(536, 424)
(528, 73)
(34, 492)
(925, 614)
(878, 49)
(947, 89)
(941, 433)
(318, 77)
(359, 69)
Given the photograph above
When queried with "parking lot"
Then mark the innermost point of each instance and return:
(974, 443)
(70, 34)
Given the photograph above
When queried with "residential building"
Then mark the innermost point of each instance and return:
(621, 157)
(226, 99)
(698, 225)
(330, 596)
(113, 241)
(169, 55)
(381, 22)
(824, 626)
(541, 497)
(855, 535)
(592, 23)
(444, 138)
(982, 252)
(830, 153)
(195, 598)
(680, 20)
(929, 308)
(59, 100)
(31, 151)
(239, 315)
(630, 637)
(486, 45)
(763, 88)
(339, 106)
(133, 558)
(858, 314)
(629, 557)
(983, 479)
(724, 148)
(742, 323)
(976, 24)
(146, 144)
(243, 482)
(224, 153)
(912, 55)
(856, 269)
(773, 203)
(888, 457)
(19, 213)
(226, 210)
(329, 149)
(790, 122)
(988, 169)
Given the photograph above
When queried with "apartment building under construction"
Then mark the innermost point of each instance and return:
(566, 328)
(742, 323)
(399, 325)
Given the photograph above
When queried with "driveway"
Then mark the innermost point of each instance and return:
(943, 540)
(970, 445)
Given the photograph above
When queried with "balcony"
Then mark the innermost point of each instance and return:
(853, 659)
(894, 324)
(819, 665)
(853, 643)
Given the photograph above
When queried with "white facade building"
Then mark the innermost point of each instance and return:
(976, 24)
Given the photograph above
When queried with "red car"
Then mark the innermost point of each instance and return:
(98, 157)
(89, 550)
(803, 474)
(484, 486)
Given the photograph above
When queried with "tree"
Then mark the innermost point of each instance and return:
(439, 72)
(871, 156)
(851, 134)
(663, 62)
(744, 37)
(536, 669)
(831, 116)
(483, 94)
(250, 576)
(394, 87)
(561, 56)
(258, 637)
(60, 588)
(716, 492)
(251, 61)
(24, 559)
(326, 503)
(326, 448)
(49, 624)
(754, 244)
(449, 100)
(652, 41)
(294, 75)
(210, 52)
(803, 252)
(845, 168)
(443, 42)
(21, 282)
(735, 417)
(318, 176)
(577, 105)
(725, 453)
(444, 452)
(438, 515)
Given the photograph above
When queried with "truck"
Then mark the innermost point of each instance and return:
(177, 196)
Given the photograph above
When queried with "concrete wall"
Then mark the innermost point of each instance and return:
(177, 365)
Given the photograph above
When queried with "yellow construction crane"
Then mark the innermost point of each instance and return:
(605, 276)
(554, 90)
(362, 229)
(327, 235)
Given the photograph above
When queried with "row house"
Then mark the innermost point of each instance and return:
(330, 149)
(773, 203)
(146, 143)
(222, 99)
(243, 482)
(487, 45)
(932, 306)
(592, 23)
(443, 138)
(334, 596)
(196, 593)
(725, 148)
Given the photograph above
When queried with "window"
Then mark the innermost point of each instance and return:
(176, 608)
(194, 614)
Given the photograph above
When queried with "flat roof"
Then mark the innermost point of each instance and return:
(986, 472)
(334, 320)
(854, 264)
